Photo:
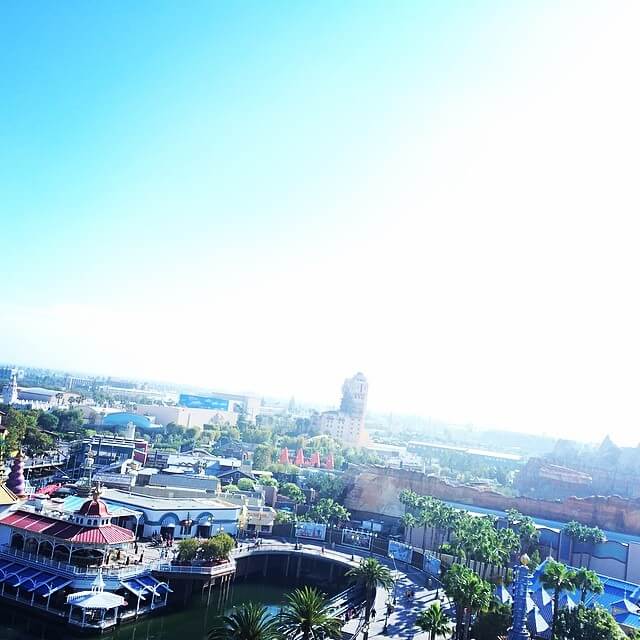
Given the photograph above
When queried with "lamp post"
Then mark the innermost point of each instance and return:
(522, 583)
(395, 578)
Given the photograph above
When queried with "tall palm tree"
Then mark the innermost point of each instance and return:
(424, 520)
(370, 574)
(588, 582)
(558, 578)
(409, 521)
(251, 621)
(470, 593)
(479, 598)
(434, 621)
(308, 616)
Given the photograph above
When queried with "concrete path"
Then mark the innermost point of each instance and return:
(401, 623)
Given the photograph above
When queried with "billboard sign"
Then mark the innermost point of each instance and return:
(431, 565)
(203, 402)
(400, 551)
(311, 530)
(359, 539)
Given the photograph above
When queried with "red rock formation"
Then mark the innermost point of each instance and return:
(376, 490)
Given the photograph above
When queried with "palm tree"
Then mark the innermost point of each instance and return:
(588, 582)
(433, 621)
(370, 574)
(470, 593)
(307, 615)
(424, 520)
(251, 621)
(409, 521)
(559, 578)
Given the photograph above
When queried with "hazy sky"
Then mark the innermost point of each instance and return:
(274, 195)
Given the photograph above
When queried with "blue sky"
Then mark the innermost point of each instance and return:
(273, 195)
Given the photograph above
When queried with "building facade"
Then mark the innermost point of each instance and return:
(177, 518)
(347, 424)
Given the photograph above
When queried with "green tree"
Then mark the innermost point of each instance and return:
(293, 492)
(245, 484)
(250, 621)
(48, 421)
(188, 549)
(284, 517)
(257, 436)
(471, 594)
(36, 442)
(329, 512)
(69, 420)
(588, 582)
(408, 521)
(370, 575)
(433, 621)
(425, 519)
(307, 615)
(327, 485)
(263, 457)
(557, 578)
(16, 423)
(217, 547)
(582, 623)
(493, 623)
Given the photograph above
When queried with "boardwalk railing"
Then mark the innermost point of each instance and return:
(213, 570)
(69, 569)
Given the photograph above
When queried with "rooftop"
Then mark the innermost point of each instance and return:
(163, 504)
(67, 530)
(469, 451)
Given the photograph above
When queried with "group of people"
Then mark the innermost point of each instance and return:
(158, 540)
(352, 612)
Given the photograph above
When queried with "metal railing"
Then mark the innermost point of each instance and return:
(315, 550)
(70, 569)
(213, 570)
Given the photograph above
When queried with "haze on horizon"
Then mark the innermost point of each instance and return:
(275, 196)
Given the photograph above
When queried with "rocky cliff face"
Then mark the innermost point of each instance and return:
(376, 490)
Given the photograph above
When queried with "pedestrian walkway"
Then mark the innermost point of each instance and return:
(401, 622)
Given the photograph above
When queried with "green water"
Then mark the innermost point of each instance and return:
(190, 622)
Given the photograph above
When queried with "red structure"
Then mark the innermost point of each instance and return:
(314, 460)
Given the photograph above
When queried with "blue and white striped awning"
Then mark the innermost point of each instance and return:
(44, 583)
(145, 584)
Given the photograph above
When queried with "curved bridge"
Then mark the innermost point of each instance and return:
(286, 548)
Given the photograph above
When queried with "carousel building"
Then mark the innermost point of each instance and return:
(79, 566)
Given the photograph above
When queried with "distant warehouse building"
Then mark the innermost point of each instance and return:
(196, 410)
(433, 450)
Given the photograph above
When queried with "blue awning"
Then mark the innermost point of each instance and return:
(150, 582)
(42, 578)
(135, 587)
(47, 589)
(142, 585)
(44, 583)
(18, 577)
